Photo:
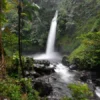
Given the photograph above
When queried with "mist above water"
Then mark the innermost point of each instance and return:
(54, 56)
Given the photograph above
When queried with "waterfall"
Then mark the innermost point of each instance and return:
(50, 54)
(52, 35)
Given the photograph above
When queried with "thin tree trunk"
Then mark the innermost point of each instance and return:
(19, 39)
(2, 64)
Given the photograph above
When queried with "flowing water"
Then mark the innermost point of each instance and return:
(97, 91)
(50, 54)
(62, 75)
(53, 56)
(52, 35)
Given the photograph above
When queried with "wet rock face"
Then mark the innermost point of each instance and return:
(48, 83)
(42, 67)
(85, 76)
(37, 68)
(73, 67)
(65, 61)
(44, 71)
(45, 62)
(91, 79)
(51, 86)
(97, 82)
(43, 88)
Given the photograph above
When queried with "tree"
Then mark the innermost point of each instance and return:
(33, 7)
(2, 63)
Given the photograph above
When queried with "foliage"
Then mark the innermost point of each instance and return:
(29, 16)
(96, 26)
(79, 92)
(15, 89)
(29, 8)
(10, 90)
(77, 53)
(10, 42)
(76, 18)
(35, 22)
(92, 51)
(89, 51)
(13, 69)
(27, 87)
(3, 8)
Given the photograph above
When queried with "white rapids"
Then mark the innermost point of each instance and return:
(97, 91)
(63, 72)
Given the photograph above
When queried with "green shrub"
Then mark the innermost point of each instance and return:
(13, 68)
(79, 92)
(15, 89)
(10, 89)
(77, 53)
(12, 64)
(89, 50)
(26, 87)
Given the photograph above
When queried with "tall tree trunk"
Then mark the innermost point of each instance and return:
(2, 63)
(19, 39)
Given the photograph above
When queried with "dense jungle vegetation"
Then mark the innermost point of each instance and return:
(78, 36)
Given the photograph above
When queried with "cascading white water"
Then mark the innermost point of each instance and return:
(50, 53)
(64, 73)
(97, 91)
(52, 35)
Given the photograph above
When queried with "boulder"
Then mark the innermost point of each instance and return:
(65, 61)
(73, 67)
(44, 71)
(43, 88)
(34, 74)
(26, 73)
(84, 76)
(44, 62)
(93, 76)
(97, 82)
